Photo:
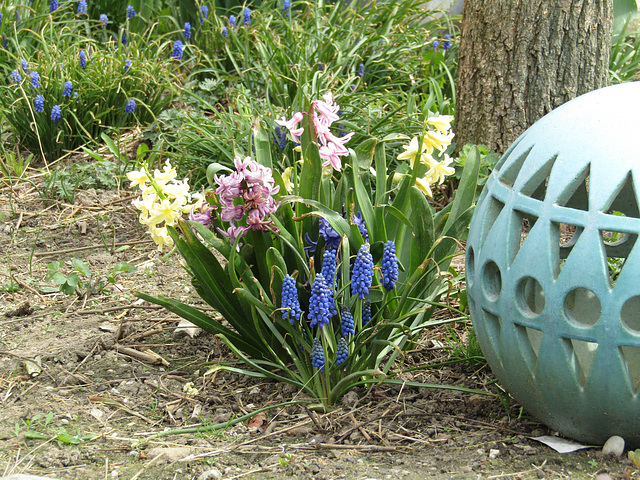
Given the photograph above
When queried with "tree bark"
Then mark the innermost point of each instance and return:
(520, 59)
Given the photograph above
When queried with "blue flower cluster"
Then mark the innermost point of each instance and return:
(331, 237)
(82, 7)
(68, 86)
(204, 13)
(280, 138)
(389, 266)
(366, 312)
(320, 308)
(359, 222)
(104, 20)
(225, 32)
(247, 16)
(35, 79)
(131, 12)
(124, 38)
(56, 113)
(347, 327)
(317, 355)
(15, 76)
(361, 70)
(178, 47)
(290, 304)
(187, 30)
(130, 106)
(38, 104)
(83, 59)
(232, 21)
(285, 10)
(342, 354)
(24, 65)
(127, 65)
(53, 6)
(362, 273)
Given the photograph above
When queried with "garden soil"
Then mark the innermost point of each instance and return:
(94, 385)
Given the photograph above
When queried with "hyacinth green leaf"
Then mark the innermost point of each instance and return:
(262, 144)
(466, 189)
(363, 201)
(277, 270)
(423, 234)
(311, 174)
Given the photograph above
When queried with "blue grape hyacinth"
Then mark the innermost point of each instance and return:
(53, 6)
(359, 222)
(38, 104)
(290, 304)
(361, 70)
(347, 327)
(204, 13)
(320, 308)
(285, 10)
(366, 312)
(35, 79)
(342, 354)
(331, 237)
(83, 59)
(131, 12)
(56, 113)
(178, 48)
(446, 45)
(232, 21)
(127, 65)
(68, 86)
(247, 16)
(130, 106)
(436, 43)
(124, 38)
(15, 76)
(104, 20)
(317, 354)
(82, 7)
(389, 266)
(225, 32)
(187, 30)
(24, 65)
(362, 274)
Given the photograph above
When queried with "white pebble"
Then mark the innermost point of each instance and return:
(614, 446)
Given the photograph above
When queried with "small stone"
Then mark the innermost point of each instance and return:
(212, 474)
(493, 454)
(603, 476)
(613, 446)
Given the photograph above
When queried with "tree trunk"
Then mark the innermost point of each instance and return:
(520, 59)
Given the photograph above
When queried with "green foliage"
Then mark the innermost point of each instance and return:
(624, 60)
(64, 182)
(80, 280)
(246, 288)
(51, 45)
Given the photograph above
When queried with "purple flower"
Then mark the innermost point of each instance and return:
(290, 304)
(35, 79)
(446, 45)
(232, 21)
(359, 221)
(331, 237)
(178, 47)
(361, 70)
(15, 76)
(347, 326)
(24, 65)
(225, 32)
(317, 355)
(187, 30)
(56, 113)
(38, 104)
(319, 304)
(362, 273)
(247, 16)
(342, 354)
(82, 7)
(83, 59)
(68, 86)
(53, 6)
(435, 44)
(320, 67)
(130, 12)
(130, 106)
(202, 217)
(389, 266)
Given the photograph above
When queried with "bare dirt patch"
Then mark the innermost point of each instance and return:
(89, 383)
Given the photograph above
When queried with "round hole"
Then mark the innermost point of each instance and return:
(491, 281)
(582, 307)
(470, 265)
(630, 313)
(530, 296)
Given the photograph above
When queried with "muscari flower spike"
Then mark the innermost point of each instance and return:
(225, 32)
(38, 104)
(35, 79)
(247, 16)
(178, 48)
(68, 86)
(319, 304)
(56, 113)
(362, 274)
(280, 138)
(342, 354)
(130, 106)
(347, 327)
(204, 13)
(232, 21)
(24, 65)
(187, 30)
(15, 76)
(104, 20)
(366, 312)
(82, 7)
(361, 70)
(285, 10)
(131, 12)
(290, 304)
(446, 45)
(53, 6)
(389, 266)
(127, 65)
(317, 354)
(435, 44)
(331, 237)
(359, 222)
(124, 38)
(83, 59)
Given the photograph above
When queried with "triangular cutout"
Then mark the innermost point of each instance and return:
(576, 194)
(491, 215)
(510, 174)
(617, 246)
(536, 186)
(494, 329)
(529, 340)
(521, 224)
(631, 357)
(567, 235)
(624, 200)
(581, 354)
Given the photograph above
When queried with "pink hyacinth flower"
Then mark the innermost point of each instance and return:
(291, 125)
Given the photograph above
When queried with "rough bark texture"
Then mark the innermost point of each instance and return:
(520, 59)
